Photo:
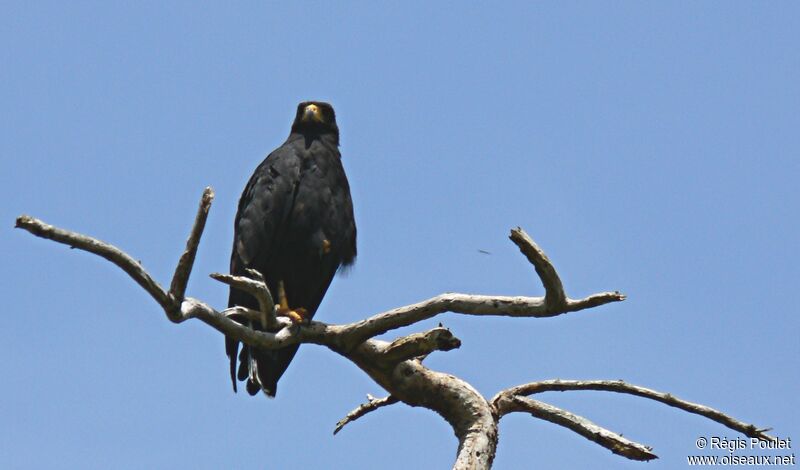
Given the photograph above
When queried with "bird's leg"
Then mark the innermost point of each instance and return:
(284, 304)
(297, 315)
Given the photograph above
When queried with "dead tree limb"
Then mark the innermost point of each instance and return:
(618, 386)
(608, 439)
(371, 405)
(397, 365)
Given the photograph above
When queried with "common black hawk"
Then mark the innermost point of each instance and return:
(295, 225)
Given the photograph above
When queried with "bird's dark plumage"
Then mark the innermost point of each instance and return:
(295, 225)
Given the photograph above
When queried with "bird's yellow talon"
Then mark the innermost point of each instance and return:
(297, 315)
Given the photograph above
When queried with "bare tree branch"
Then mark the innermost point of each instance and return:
(258, 289)
(554, 290)
(177, 288)
(242, 313)
(463, 407)
(353, 333)
(608, 439)
(486, 305)
(372, 404)
(287, 335)
(396, 366)
(620, 386)
(104, 250)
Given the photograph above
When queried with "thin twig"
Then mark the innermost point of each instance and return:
(177, 288)
(372, 404)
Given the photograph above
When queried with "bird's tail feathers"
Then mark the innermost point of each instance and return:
(256, 380)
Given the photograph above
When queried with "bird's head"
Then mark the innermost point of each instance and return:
(315, 117)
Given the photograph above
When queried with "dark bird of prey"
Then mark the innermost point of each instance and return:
(295, 225)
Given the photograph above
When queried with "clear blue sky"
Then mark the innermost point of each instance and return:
(649, 147)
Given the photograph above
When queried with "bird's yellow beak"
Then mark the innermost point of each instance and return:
(312, 113)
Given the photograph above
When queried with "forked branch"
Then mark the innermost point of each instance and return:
(501, 400)
(397, 366)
